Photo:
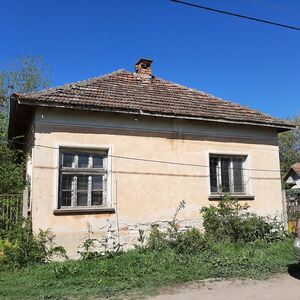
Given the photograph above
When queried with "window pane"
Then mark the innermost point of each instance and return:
(83, 160)
(213, 164)
(97, 198)
(97, 161)
(238, 175)
(82, 198)
(66, 198)
(82, 182)
(67, 159)
(96, 183)
(66, 182)
(225, 163)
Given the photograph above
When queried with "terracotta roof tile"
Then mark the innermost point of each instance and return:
(129, 92)
(296, 168)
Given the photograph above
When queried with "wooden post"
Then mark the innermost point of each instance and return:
(25, 202)
(284, 210)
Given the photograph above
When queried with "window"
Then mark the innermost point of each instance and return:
(82, 178)
(226, 174)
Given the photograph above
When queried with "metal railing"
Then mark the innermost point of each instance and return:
(11, 209)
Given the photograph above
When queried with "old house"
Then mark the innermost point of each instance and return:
(292, 177)
(121, 151)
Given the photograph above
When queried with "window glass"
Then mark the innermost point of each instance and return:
(225, 164)
(66, 198)
(83, 160)
(213, 164)
(97, 198)
(67, 182)
(82, 182)
(237, 164)
(82, 198)
(68, 159)
(97, 183)
(97, 161)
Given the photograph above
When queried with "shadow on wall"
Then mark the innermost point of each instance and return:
(154, 127)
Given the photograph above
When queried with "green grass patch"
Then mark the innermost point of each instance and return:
(143, 272)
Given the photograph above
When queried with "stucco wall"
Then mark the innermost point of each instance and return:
(143, 191)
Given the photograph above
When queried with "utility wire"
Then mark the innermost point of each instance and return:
(236, 15)
(159, 161)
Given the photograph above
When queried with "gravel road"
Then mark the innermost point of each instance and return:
(281, 287)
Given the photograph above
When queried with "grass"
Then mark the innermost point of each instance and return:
(144, 272)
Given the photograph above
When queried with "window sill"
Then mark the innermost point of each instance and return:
(84, 211)
(235, 197)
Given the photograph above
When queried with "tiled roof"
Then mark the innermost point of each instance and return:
(123, 91)
(296, 168)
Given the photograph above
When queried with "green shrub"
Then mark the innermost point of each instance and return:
(181, 241)
(190, 241)
(232, 221)
(105, 247)
(22, 247)
(157, 240)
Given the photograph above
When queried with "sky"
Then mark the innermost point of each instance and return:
(253, 64)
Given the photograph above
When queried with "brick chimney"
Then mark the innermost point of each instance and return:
(143, 67)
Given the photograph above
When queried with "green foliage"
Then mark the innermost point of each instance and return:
(22, 247)
(12, 168)
(158, 240)
(232, 221)
(10, 213)
(93, 248)
(142, 272)
(24, 75)
(289, 146)
(181, 241)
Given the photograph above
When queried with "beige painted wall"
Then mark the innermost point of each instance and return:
(142, 191)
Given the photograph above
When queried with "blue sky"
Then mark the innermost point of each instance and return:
(254, 64)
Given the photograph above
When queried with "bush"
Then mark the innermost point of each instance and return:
(181, 241)
(21, 247)
(233, 222)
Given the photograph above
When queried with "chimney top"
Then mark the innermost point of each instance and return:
(143, 67)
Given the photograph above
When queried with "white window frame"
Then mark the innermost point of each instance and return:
(231, 176)
(107, 202)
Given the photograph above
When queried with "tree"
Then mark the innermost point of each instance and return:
(289, 146)
(24, 75)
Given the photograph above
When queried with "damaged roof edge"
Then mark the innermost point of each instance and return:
(281, 127)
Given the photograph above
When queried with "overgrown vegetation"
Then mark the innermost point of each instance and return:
(231, 221)
(24, 75)
(140, 272)
(235, 243)
(20, 247)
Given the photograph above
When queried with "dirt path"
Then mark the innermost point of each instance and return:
(283, 287)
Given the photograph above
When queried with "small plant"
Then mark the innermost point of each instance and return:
(99, 248)
(63, 270)
(141, 240)
(158, 240)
